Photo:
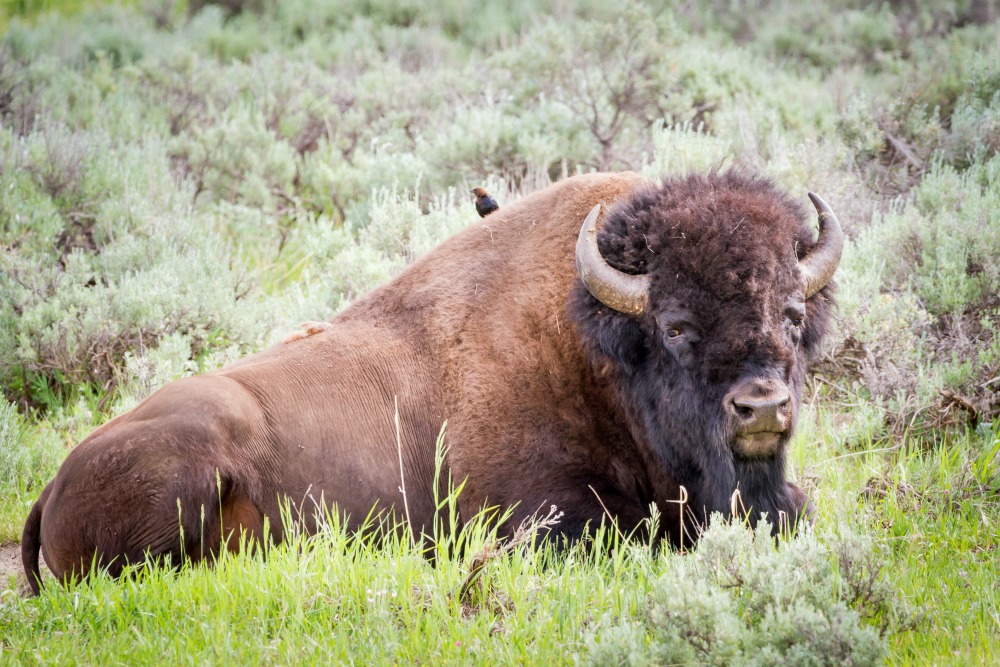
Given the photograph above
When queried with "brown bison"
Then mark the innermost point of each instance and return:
(669, 364)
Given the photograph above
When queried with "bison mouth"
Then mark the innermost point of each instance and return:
(755, 446)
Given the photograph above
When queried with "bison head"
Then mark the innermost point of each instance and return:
(704, 299)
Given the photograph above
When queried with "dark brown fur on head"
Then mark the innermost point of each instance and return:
(721, 251)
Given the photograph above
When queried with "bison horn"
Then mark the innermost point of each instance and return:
(818, 266)
(615, 289)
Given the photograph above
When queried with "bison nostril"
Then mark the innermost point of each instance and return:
(759, 410)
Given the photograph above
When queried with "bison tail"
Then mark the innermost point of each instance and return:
(31, 543)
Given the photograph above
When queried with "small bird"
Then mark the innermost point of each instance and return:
(485, 204)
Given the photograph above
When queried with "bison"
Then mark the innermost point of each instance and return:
(661, 358)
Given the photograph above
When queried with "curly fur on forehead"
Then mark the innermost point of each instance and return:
(736, 225)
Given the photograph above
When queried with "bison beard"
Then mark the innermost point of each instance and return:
(677, 361)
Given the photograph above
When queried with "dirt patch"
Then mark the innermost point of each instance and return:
(11, 573)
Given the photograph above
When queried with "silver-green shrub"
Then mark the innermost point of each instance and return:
(104, 257)
(919, 312)
(744, 598)
(12, 457)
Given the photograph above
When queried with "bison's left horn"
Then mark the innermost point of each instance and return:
(615, 289)
(819, 265)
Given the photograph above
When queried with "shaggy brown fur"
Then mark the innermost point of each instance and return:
(550, 397)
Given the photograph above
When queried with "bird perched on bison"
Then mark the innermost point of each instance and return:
(485, 204)
(611, 346)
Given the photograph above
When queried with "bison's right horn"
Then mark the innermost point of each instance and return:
(818, 267)
(615, 289)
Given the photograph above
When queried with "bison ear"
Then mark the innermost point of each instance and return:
(819, 311)
(622, 339)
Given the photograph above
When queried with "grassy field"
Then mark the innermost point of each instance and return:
(181, 185)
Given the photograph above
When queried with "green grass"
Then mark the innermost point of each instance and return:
(328, 601)
(938, 512)
(941, 516)
(935, 508)
(29, 10)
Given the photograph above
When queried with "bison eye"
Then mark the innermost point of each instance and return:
(677, 329)
(795, 315)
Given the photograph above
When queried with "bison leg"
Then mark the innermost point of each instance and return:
(805, 511)
(240, 524)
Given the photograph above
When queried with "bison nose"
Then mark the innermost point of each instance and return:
(760, 407)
